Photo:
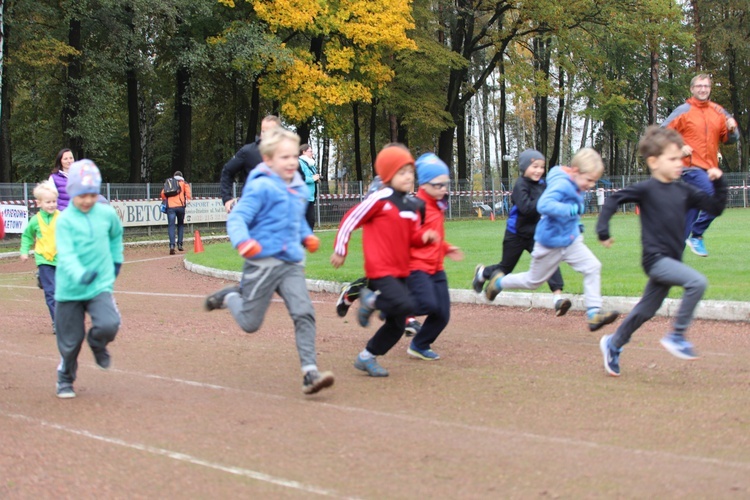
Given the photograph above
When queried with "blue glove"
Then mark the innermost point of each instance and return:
(574, 209)
(118, 265)
(88, 277)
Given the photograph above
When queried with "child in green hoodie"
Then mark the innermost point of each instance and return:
(41, 234)
(89, 256)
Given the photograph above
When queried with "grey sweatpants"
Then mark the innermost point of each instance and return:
(260, 279)
(71, 330)
(545, 260)
(662, 276)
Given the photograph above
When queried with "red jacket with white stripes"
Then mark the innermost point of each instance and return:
(390, 227)
(429, 258)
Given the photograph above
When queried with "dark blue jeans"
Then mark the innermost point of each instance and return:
(177, 215)
(47, 278)
(697, 221)
(431, 298)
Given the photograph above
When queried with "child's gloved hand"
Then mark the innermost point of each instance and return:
(88, 277)
(249, 248)
(575, 209)
(312, 243)
(118, 265)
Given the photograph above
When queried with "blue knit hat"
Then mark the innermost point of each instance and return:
(430, 166)
(83, 178)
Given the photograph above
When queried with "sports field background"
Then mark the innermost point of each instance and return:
(727, 240)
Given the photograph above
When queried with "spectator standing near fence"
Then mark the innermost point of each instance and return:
(310, 173)
(176, 204)
(703, 125)
(59, 176)
(246, 159)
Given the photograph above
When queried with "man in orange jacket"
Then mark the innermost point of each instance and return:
(703, 125)
(176, 211)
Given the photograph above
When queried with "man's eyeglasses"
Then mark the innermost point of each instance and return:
(440, 185)
(702, 86)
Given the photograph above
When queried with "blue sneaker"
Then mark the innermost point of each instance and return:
(370, 366)
(424, 354)
(365, 309)
(493, 285)
(677, 346)
(611, 356)
(697, 246)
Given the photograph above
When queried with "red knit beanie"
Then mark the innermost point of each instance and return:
(390, 160)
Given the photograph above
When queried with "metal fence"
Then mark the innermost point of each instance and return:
(336, 197)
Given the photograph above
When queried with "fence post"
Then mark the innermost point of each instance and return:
(26, 194)
(744, 194)
(234, 190)
(109, 192)
(492, 185)
(148, 190)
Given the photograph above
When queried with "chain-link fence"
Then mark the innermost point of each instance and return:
(335, 198)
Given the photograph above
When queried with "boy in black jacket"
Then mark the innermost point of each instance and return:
(663, 204)
(519, 230)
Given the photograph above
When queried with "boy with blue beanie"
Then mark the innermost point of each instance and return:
(427, 281)
(520, 228)
(89, 256)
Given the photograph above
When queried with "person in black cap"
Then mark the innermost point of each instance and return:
(519, 230)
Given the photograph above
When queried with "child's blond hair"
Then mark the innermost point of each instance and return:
(45, 187)
(656, 140)
(587, 160)
(271, 141)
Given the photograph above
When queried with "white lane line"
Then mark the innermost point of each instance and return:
(422, 422)
(153, 258)
(156, 294)
(182, 457)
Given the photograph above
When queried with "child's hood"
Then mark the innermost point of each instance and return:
(263, 170)
(560, 174)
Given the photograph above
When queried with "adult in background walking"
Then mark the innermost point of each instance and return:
(310, 173)
(59, 177)
(703, 125)
(246, 159)
(176, 212)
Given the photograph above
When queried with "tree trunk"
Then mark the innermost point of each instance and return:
(486, 160)
(737, 108)
(555, 156)
(541, 101)
(357, 153)
(504, 173)
(653, 94)
(71, 106)
(6, 158)
(461, 170)
(373, 122)
(134, 130)
(181, 158)
(393, 127)
(324, 162)
(252, 122)
(698, 36)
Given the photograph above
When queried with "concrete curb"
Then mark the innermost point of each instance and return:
(723, 310)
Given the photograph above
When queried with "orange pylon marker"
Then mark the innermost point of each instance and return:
(198, 244)
(492, 216)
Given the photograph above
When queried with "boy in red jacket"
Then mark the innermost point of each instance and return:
(427, 280)
(391, 226)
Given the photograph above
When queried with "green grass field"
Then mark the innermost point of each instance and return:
(727, 267)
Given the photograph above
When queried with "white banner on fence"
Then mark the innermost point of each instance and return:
(148, 213)
(16, 217)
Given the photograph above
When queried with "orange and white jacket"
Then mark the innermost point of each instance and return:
(181, 199)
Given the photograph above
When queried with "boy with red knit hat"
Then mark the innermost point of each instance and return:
(390, 227)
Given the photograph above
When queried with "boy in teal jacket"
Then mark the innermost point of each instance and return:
(41, 234)
(89, 256)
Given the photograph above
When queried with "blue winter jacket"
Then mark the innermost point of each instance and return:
(557, 227)
(271, 212)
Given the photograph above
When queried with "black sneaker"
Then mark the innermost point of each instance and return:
(179, 248)
(171, 251)
(314, 381)
(65, 391)
(102, 358)
(562, 306)
(343, 303)
(412, 327)
(216, 299)
(478, 282)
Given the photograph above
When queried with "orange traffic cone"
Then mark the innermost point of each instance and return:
(198, 246)
(492, 216)
(637, 210)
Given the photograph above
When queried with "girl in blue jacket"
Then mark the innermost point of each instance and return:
(558, 237)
